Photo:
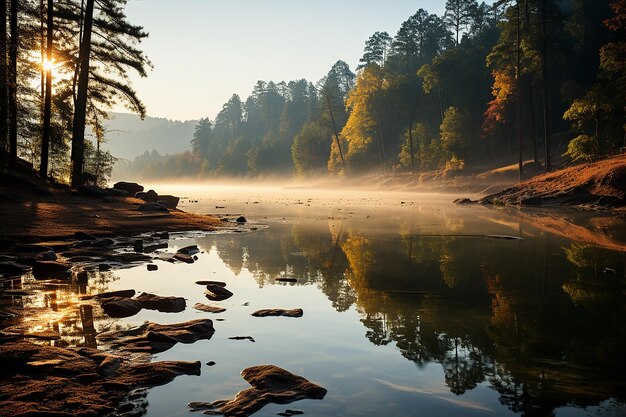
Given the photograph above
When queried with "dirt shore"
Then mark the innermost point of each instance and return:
(36, 211)
(599, 184)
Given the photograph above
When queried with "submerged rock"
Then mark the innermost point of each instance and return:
(277, 312)
(40, 380)
(208, 309)
(183, 257)
(270, 384)
(241, 219)
(153, 337)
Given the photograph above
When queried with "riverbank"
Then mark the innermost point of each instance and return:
(595, 185)
(31, 209)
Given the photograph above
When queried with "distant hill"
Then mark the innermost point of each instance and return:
(128, 136)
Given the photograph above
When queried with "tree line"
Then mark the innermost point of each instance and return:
(64, 64)
(524, 80)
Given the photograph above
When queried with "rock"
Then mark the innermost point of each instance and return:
(270, 384)
(210, 363)
(278, 312)
(152, 267)
(208, 309)
(138, 245)
(169, 201)
(183, 257)
(189, 250)
(464, 201)
(11, 268)
(131, 188)
(162, 235)
(250, 338)
(291, 280)
(153, 338)
(155, 247)
(109, 366)
(50, 269)
(149, 195)
(218, 283)
(77, 382)
(118, 307)
(84, 236)
(609, 271)
(162, 304)
(25, 248)
(115, 192)
(102, 243)
(111, 294)
(152, 207)
(241, 219)
(104, 267)
(217, 293)
(93, 191)
(47, 256)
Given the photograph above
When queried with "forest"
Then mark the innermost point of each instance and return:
(537, 83)
(64, 65)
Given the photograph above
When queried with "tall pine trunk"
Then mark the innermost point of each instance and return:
(544, 70)
(12, 83)
(80, 109)
(47, 109)
(3, 83)
(518, 64)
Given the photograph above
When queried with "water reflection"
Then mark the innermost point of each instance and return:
(541, 320)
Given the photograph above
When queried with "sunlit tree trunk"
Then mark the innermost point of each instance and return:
(12, 83)
(80, 110)
(47, 109)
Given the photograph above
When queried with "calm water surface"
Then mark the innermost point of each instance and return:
(411, 306)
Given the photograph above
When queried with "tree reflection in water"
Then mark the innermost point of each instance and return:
(535, 319)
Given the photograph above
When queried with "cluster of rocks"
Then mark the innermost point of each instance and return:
(98, 383)
(153, 201)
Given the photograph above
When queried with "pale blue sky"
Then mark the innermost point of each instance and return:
(203, 51)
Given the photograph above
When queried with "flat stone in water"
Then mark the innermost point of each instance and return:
(270, 384)
(208, 309)
(278, 312)
(218, 283)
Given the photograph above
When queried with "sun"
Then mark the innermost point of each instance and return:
(49, 65)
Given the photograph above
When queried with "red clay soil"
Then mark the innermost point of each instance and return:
(600, 183)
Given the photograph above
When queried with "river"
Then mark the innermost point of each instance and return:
(413, 306)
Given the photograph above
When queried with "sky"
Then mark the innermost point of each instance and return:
(204, 51)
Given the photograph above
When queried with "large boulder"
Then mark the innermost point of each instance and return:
(168, 201)
(131, 188)
(93, 191)
(149, 195)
